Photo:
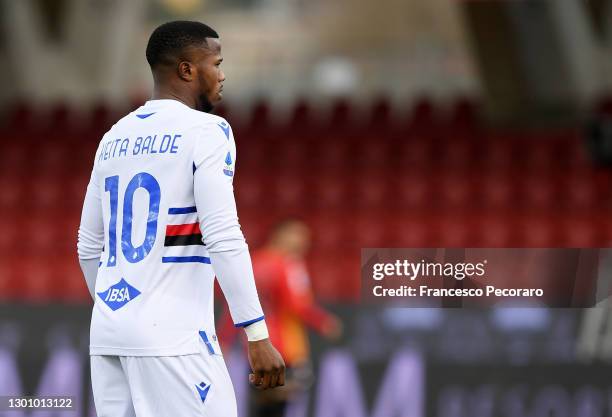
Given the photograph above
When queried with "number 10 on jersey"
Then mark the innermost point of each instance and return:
(132, 254)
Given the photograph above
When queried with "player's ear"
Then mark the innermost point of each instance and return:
(185, 71)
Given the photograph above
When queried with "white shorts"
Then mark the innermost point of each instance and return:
(162, 386)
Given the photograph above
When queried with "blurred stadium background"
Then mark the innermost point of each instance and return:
(395, 123)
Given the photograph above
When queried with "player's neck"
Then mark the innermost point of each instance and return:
(161, 94)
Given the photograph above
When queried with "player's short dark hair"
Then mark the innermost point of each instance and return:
(168, 40)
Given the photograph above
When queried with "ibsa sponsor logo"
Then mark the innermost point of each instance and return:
(119, 294)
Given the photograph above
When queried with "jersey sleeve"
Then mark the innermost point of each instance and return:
(91, 231)
(217, 214)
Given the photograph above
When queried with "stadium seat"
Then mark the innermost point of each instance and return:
(331, 190)
(581, 232)
(61, 121)
(497, 154)
(413, 190)
(260, 121)
(14, 158)
(100, 117)
(497, 191)
(252, 157)
(327, 232)
(423, 117)
(52, 159)
(35, 280)
(330, 153)
(540, 192)
(454, 190)
(63, 226)
(373, 152)
(367, 231)
(42, 236)
(12, 195)
(302, 122)
(413, 229)
(495, 231)
(288, 191)
(12, 236)
(20, 117)
(72, 286)
(373, 190)
(580, 192)
(290, 155)
(455, 231)
(457, 154)
(45, 193)
(604, 225)
(74, 188)
(416, 153)
(340, 117)
(249, 191)
(540, 232)
(540, 155)
(380, 118)
(463, 116)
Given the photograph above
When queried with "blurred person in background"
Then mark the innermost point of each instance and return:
(287, 298)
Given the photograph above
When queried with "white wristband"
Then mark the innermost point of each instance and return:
(257, 331)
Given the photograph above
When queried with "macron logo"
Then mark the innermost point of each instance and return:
(203, 390)
(226, 129)
(119, 295)
(144, 116)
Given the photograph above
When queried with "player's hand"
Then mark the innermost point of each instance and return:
(267, 365)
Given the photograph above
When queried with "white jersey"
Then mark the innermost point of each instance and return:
(160, 216)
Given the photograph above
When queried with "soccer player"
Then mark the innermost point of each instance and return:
(159, 222)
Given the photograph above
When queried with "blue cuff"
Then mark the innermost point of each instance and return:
(246, 323)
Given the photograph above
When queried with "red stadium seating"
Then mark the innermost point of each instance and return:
(434, 179)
